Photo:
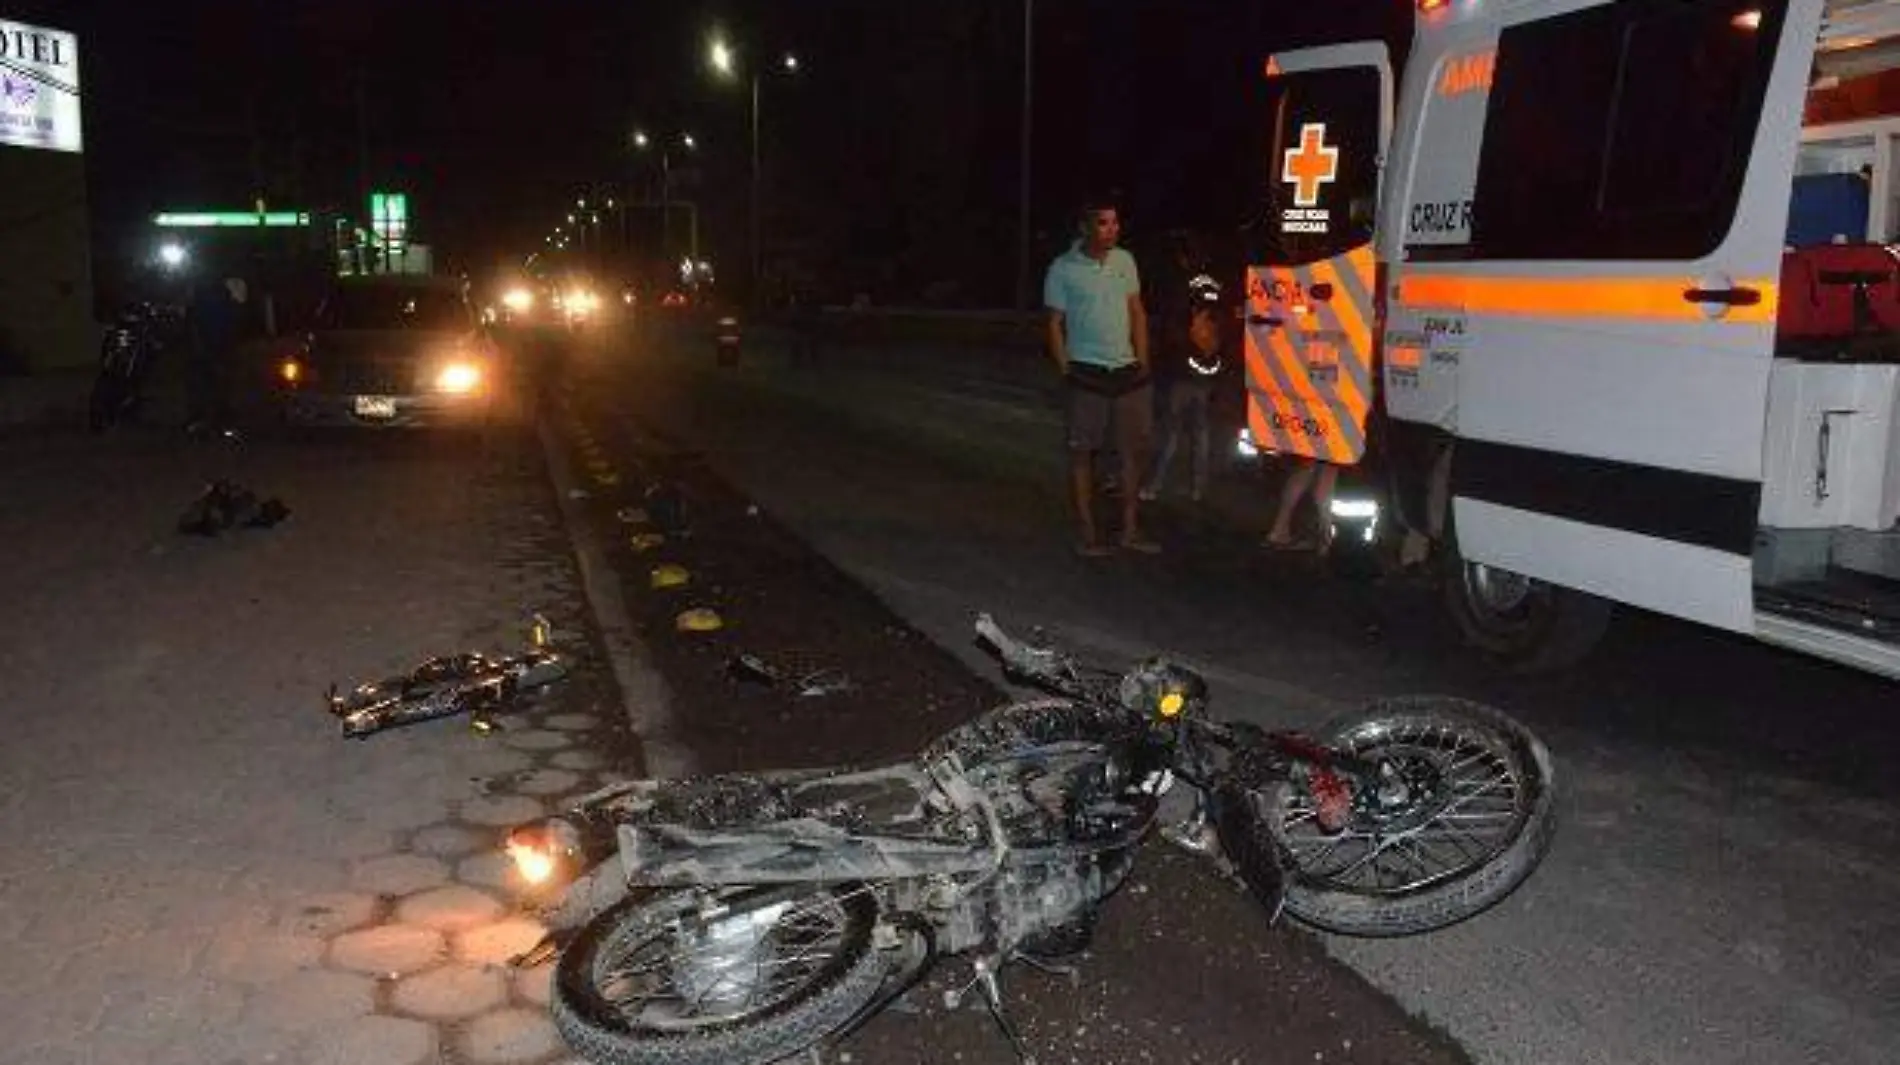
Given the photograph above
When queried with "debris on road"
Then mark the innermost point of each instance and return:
(224, 505)
(446, 685)
(812, 685)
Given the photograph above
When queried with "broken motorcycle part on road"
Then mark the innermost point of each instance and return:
(467, 683)
(225, 505)
(817, 683)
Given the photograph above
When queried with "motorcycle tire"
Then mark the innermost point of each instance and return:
(822, 1004)
(1254, 824)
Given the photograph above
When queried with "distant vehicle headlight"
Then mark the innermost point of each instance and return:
(518, 300)
(459, 377)
(291, 371)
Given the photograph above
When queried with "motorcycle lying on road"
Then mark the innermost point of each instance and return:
(745, 917)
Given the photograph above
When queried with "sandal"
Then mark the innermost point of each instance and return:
(1093, 549)
(1141, 545)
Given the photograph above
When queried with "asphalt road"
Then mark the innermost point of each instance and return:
(1721, 890)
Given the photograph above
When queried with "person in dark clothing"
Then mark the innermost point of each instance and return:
(217, 317)
(1190, 366)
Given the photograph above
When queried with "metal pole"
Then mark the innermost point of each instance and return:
(362, 168)
(666, 207)
(757, 295)
(1024, 156)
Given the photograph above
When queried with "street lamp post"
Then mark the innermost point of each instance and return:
(1023, 159)
(725, 63)
(686, 142)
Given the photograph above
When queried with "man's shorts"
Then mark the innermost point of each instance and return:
(1091, 412)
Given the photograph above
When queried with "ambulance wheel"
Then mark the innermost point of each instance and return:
(1524, 624)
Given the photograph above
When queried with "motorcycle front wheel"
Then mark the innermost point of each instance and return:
(731, 976)
(1464, 813)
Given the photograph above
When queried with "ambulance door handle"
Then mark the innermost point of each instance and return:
(1727, 297)
(1269, 321)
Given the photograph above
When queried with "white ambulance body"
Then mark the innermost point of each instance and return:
(1568, 305)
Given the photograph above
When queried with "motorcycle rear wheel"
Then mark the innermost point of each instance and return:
(1481, 815)
(634, 985)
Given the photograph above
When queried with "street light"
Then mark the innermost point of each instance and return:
(685, 142)
(725, 63)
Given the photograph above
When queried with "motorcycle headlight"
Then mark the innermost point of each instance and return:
(459, 378)
(543, 851)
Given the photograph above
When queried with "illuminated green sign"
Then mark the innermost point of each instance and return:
(389, 217)
(232, 219)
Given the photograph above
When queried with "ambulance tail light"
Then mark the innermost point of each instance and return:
(1426, 7)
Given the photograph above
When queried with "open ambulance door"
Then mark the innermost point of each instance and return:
(1606, 292)
(1310, 277)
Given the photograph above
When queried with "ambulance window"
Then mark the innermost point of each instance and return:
(1622, 131)
(1321, 176)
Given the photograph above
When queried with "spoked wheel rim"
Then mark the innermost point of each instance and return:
(722, 963)
(1451, 800)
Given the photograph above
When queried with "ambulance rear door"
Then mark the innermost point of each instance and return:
(1603, 291)
(1310, 279)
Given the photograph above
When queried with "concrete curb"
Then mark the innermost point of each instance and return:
(643, 692)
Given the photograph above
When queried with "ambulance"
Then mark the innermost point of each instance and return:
(1609, 291)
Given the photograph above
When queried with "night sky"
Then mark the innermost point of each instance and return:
(891, 159)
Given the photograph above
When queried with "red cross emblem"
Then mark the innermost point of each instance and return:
(1310, 165)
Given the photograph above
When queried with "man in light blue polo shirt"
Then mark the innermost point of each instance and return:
(1098, 336)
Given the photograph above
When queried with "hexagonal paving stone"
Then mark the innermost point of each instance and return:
(577, 760)
(547, 782)
(496, 943)
(384, 1040)
(536, 985)
(400, 874)
(570, 722)
(327, 914)
(493, 869)
(451, 992)
(536, 739)
(387, 950)
(502, 810)
(509, 1037)
(312, 1001)
(449, 909)
(450, 841)
(494, 761)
